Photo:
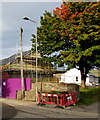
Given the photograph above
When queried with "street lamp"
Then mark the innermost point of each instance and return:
(26, 18)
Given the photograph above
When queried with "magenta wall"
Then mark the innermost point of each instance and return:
(10, 86)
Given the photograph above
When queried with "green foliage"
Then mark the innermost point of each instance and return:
(73, 30)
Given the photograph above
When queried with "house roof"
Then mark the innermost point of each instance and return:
(72, 72)
(12, 58)
(95, 72)
(12, 63)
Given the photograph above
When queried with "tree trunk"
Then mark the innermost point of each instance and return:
(83, 84)
(83, 79)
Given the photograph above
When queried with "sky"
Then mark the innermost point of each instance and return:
(11, 14)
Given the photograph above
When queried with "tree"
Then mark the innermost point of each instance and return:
(73, 31)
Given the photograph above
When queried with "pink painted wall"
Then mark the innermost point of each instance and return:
(10, 86)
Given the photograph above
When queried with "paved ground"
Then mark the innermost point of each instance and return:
(26, 109)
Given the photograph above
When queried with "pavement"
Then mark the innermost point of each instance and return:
(93, 108)
(16, 107)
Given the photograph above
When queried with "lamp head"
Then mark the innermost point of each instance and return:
(26, 18)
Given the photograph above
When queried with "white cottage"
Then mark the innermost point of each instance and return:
(74, 76)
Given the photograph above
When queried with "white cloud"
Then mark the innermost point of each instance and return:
(17, 49)
(5, 26)
(0, 30)
(25, 48)
(12, 51)
(31, 0)
(12, 14)
(0, 17)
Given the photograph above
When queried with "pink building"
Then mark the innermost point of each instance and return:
(12, 85)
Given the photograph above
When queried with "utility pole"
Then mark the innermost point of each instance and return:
(21, 62)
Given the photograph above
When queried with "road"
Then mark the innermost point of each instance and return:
(26, 109)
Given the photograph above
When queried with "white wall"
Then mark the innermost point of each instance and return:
(73, 76)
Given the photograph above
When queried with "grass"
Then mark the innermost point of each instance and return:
(89, 95)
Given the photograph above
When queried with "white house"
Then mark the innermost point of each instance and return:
(74, 76)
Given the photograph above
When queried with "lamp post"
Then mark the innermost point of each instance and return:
(26, 18)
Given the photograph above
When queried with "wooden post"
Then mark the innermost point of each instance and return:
(21, 62)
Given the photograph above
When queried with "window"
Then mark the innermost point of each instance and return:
(4, 83)
(76, 78)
